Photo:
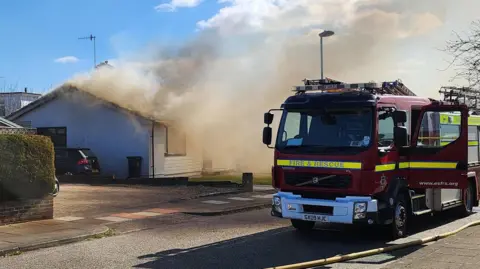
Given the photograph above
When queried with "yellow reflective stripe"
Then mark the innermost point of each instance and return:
(433, 165)
(450, 119)
(438, 137)
(455, 119)
(470, 143)
(404, 165)
(385, 167)
(320, 164)
(474, 120)
(358, 165)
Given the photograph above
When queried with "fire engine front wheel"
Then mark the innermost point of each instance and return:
(302, 225)
(401, 216)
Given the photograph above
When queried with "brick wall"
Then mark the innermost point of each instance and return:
(26, 210)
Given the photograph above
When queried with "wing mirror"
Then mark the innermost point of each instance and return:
(400, 116)
(267, 135)
(268, 118)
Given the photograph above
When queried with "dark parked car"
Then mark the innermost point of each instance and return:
(76, 161)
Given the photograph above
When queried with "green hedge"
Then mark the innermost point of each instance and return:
(27, 167)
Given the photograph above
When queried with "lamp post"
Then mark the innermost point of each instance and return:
(325, 33)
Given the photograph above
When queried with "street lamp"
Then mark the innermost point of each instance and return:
(325, 33)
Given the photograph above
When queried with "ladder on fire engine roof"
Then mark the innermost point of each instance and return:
(328, 85)
(462, 95)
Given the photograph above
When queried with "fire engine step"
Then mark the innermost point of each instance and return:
(451, 204)
(418, 213)
(419, 205)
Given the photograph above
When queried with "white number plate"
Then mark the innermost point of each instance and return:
(319, 218)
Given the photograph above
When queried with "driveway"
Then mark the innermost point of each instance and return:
(91, 201)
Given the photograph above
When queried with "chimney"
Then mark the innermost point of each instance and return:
(25, 89)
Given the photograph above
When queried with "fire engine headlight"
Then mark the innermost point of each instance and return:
(360, 207)
(277, 204)
(277, 201)
(359, 210)
(359, 216)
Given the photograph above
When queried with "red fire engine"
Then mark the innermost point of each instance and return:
(372, 153)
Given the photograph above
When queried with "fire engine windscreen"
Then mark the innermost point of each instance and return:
(328, 128)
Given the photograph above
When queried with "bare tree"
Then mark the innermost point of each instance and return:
(465, 50)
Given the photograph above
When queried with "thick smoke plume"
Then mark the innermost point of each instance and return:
(217, 86)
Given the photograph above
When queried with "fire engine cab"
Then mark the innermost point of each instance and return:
(372, 153)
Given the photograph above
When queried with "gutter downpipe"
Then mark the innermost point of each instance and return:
(153, 149)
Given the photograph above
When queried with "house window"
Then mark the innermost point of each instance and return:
(176, 142)
(57, 134)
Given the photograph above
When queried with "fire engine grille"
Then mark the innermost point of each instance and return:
(336, 182)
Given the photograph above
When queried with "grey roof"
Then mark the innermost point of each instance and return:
(6, 123)
(21, 93)
(67, 88)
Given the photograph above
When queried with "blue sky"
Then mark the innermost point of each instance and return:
(405, 35)
(35, 33)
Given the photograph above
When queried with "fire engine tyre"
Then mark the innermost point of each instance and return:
(468, 199)
(302, 225)
(401, 217)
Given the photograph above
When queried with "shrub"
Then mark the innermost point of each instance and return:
(27, 167)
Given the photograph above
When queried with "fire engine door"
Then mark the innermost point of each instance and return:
(438, 154)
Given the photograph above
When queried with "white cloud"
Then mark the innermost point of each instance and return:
(284, 15)
(174, 4)
(66, 60)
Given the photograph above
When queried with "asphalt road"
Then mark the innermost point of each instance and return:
(244, 240)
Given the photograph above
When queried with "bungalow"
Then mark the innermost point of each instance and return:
(112, 132)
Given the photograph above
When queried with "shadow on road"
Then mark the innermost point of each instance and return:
(274, 247)
(286, 246)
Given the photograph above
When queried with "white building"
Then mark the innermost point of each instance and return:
(13, 101)
(73, 118)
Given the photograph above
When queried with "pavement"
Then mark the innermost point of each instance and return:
(105, 218)
(461, 250)
(17, 238)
